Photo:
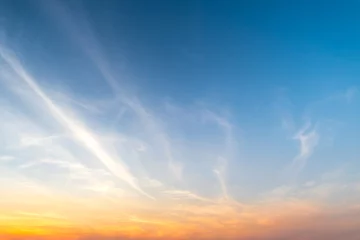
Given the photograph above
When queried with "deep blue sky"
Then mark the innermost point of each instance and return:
(175, 47)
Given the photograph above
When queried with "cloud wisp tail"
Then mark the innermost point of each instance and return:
(85, 137)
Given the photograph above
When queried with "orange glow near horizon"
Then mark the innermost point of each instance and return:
(178, 220)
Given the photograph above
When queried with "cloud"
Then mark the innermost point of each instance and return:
(149, 182)
(183, 194)
(80, 32)
(27, 141)
(220, 171)
(159, 136)
(228, 152)
(54, 155)
(152, 144)
(35, 149)
(97, 180)
(6, 158)
(148, 143)
(83, 135)
(308, 139)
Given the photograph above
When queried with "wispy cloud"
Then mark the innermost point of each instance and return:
(6, 158)
(59, 159)
(81, 32)
(97, 180)
(27, 141)
(182, 194)
(83, 135)
(308, 139)
(220, 172)
(228, 152)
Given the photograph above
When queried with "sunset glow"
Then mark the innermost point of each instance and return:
(179, 120)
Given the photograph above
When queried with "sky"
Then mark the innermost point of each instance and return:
(141, 119)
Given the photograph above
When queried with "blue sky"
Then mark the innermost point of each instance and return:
(245, 101)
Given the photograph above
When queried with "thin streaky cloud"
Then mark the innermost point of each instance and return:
(220, 177)
(88, 42)
(183, 194)
(95, 178)
(27, 141)
(308, 139)
(220, 172)
(6, 158)
(80, 160)
(228, 152)
(161, 138)
(84, 136)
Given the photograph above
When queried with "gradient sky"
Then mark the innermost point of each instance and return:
(140, 119)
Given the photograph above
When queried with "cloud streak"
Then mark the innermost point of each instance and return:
(308, 139)
(81, 32)
(84, 136)
(188, 161)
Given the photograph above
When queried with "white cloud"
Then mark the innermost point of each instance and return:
(151, 143)
(146, 145)
(308, 139)
(6, 158)
(27, 141)
(228, 152)
(83, 135)
(81, 32)
(154, 183)
(220, 172)
(183, 194)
